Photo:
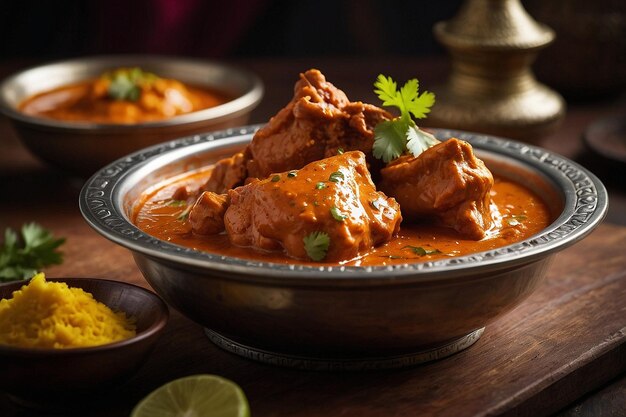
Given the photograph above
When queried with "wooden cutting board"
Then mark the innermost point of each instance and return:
(565, 340)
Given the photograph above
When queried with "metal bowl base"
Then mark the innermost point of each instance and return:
(344, 364)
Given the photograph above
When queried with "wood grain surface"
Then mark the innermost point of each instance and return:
(566, 340)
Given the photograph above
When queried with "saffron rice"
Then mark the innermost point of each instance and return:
(46, 314)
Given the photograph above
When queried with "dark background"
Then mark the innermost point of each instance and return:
(587, 61)
(220, 29)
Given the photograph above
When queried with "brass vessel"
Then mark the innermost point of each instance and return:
(491, 88)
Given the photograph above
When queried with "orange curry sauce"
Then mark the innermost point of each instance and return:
(522, 214)
(76, 103)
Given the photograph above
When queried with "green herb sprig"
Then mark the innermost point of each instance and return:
(126, 83)
(394, 137)
(316, 245)
(22, 257)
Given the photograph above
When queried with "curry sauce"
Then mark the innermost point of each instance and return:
(86, 102)
(521, 214)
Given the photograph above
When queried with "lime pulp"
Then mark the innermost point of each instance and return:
(195, 396)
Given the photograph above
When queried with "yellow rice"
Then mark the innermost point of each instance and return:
(52, 315)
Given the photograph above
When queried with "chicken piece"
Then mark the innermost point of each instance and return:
(227, 173)
(207, 213)
(335, 195)
(314, 125)
(446, 182)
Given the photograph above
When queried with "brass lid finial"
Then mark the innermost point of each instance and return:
(492, 89)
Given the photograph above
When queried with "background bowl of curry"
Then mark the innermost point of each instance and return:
(83, 147)
(54, 379)
(335, 317)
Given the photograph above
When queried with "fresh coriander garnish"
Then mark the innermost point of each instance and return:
(320, 186)
(340, 151)
(126, 83)
(393, 137)
(336, 176)
(23, 259)
(316, 245)
(337, 215)
(418, 250)
(275, 178)
(292, 174)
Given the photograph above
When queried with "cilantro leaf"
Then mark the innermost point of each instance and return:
(420, 105)
(393, 137)
(37, 249)
(125, 83)
(418, 140)
(389, 140)
(386, 90)
(316, 245)
(122, 88)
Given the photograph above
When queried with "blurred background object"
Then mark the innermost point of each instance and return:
(588, 57)
(492, 44)
(218, 29)
(586, 63)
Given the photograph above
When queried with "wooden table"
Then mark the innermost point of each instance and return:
(566, 341)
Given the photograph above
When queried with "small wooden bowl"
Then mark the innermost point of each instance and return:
(57, 378)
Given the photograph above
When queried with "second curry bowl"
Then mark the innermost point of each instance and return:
(82, 147)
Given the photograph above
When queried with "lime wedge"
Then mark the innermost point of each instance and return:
(195, 396)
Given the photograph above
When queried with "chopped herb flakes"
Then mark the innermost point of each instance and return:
(337, 215)
(418, 250)
(177, 203)
(516, 219)
(275, 178)
(320, 186)
(336, 176)
(292, 174)
(184, 215)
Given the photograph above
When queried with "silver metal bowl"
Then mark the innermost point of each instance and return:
(82, 147)
(322, 317)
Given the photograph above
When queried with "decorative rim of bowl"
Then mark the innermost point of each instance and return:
(155, 327)
(245, 102)
(585, 206)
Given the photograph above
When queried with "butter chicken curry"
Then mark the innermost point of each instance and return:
(123, 96)
(308, 188)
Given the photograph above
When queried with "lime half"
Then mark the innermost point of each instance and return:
(195, 396)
